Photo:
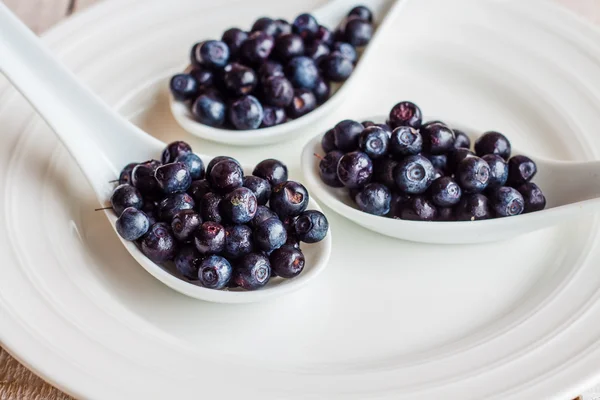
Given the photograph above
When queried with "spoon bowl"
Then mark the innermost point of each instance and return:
(571, 189)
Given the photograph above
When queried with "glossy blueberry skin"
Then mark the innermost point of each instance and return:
(209, 208)
(288, 46)
(405, 141)
(260, 187)
(257, 48)
(302, 72)
(498, 170)
(184, 87)
(211, 53)
(143, 179)
(194, 165)
(398, 202)
(184, 224)
(532, 196)
(269, 69)
(217, 160)
(159, 244)
(336, 67)
(405, 113)
(173, 177)
(461, 140)
(355, 169)
(520, 170)
(288, 199)
(239, 79)
(125, 175)
(419, 208)
(209, 238)
(278, 91)
(274, 171)
(269, 234)
(306, 26)
(174, 150)
(322, 91)
(225, 176)
(328, 141)
(361, 12)
(246, 113)
(445, 192)
(473, 207)
(273, 116)
(328, 168)
(287, 261)
(132, 224)
(209, 110)
(198, 189)
(414, 174)
(172, 204)
(493, 143)
(234, 38)
(473, 174)
(383, 171)
(214, 272)
(455, 157)
(358, 32)
(283, 27)
(187, 262)
(347, 50)
(440, 161)
(346, 134)
(317, 50)
(266, 25)
(437, 139)
(374, 198)
(445, 214)
(239, 206)
(374, 142)
(203, 76)
(324, 35)
(263, 213)
(304, 102)
(238, 241)
(507, 201)
(311, 226)
(252, 271)
(125, 196)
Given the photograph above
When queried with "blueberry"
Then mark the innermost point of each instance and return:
(158, 244)
(461, 140)
(355, 169)
(252, 271)
(187, 262)
(278, 91)
(302, 72)
(361, 12)
(498, 170)
(239, 206)
(263, 213)
(246, 113)
(198, 189)
(292, 240)
(405, 141)
(317, 51)
(328, 168)
(375, 198)
(132, 224)
(304, 102)
(383, 171)
(266, 25)
(203, 76)
(209, 207)
(143, 179)
(288, 46)
(473, 174)
(172, 204)
(324, 35)
(257, 47)
(209, 238)
(125, 196)
(174, 150)
(440, 161)
(405, 113)
(328, 141)
(239, 79)
(437, 139)
(184, 87)
(234, 38)
(445, 192)
(283, 27)
(347, 50)
(398, 202)
(269, 234)
(374, 141)
(473, 207)
(238, 241)
(173, 177)
(209, 110)
(455, 157)
(193, 164)
(287, 261)
(346, 134)
(214, 272)
(273, 116)
(532, 196)
(288, 199)
(218, 159)
(269, 69)
(493, 143)
(520, 170)
(260, 187)
(225, 176)
(212, 53)
(445, 214)
(311, 226)
(322, 91)
(419, 208)
(507, 201)
(358, 32)
(306, 26)
(414, 174)
(274, 171)
(125, 175)
(337, 67)
(184, 224)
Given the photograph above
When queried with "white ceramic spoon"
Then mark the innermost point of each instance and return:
(571, 189)
(102, 142)
(330, 15)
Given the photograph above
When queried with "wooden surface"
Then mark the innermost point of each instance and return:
(16, 381)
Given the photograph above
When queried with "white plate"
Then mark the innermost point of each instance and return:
(387, 319)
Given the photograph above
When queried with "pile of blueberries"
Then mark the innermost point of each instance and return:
(277, 72)
(411, 170)
(215, 224)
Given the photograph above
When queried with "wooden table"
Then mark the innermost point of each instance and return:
(16, 381)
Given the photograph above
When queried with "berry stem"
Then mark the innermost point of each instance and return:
(318, 156)
(113, 181)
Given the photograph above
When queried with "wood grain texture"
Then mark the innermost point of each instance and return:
(16, 381)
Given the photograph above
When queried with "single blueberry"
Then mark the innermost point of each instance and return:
(328, 168)
(347, 50)
(239, 206)
(374, 198)
(440, 162)
(461, 140)
(358, 32)
(214, 272)
(173, 177)
(414, 174)
(445, 214)
(260, 187)
(520, 170)
(234, 38)
(269, 235)
(125, 196)
(355, 169)
(346, 134)
(225, 176)
(158, 244)
(405, 141)
(174, 150)
(239, 79)
(374, 141)
(311, 226)
(361, 12)
(336, 67)
(209, 110)
(211, 53)
(302, 72)
(278, 91)
(493, 143)
(263, 213)
(143, 179)
(324, 35)
(437, 139)
(317, 51)
(209, 238)
(473, 174)
(397, 204)
(498, 170)
(507, 201)
(304, 102)
(405, 113)
(252, 271)
(283, 27)
(238, 241)
(187, 262)
(287, 261)
(274, 171)
(419, 208)
(204, 77)
(383, 171)
(265, 24)
(218, 159)
(288, 46)
(132, 224)
(198, 189)
(209, 207)
(125, 175)
(273, 116)
(322, 91)
(172, 204)
(193, 163)
(257, 48)
(532, 196)
(288, 199)
(269, 69)
(246, 113)
(473, 207)
(328, 141)
(445, 192)
(184, 87)
(306, 26)
(455, 157)
(184, 224)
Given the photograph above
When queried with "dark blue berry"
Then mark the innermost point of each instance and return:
(328, 168)
(383, 171)
(263, 213)
(461, 140)
(257, 47)
(288, 46)
(419, 208)
(184, 87)
(212, 53)
(437, 139)
(532, 196)
(283, 27)
(260, 187)
(274, 171)
(405, 113)
(311, 226)
(292, 240)
(198, 189)
(158, 244)
(273, 116)
(125, 196)
(218, 159)
(455, 157)
(214, 272)
(209, 207)
(445, 214)
(440, 161)
(374, 141)
(414, 174)
(278, 91)
(269, 234)
(317, 51)
(184, 224)
(246, 113)
(302, 72)
(270, 69)
(238, 241)
(209, 110)
(355, 169)
(347, 50)
(209, 238)
(520, 170)
(328, 141)
(125, 175)
(203, 76)
(473, 174)
(239, 206)
(173, 177)
(225, 176)
(346, 134)
(172, 204)
(234, 38)
(143, 179)
(322, 91)
(306, 26)
(132, 224)
(304, 102)
(445, 192)
(358, 32)
(493, 143)
(194, 165)
(266, 25)
(507, 201)
(473, 207)
(324, 35)
(252, 271)
(398, 202)
(239, 79)
(405, 141)
(374, 198)
(361, 12)
(287, 261)
(174, 150)
(498, 170)
(337, 67)
(187, 262)
(288, 199)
